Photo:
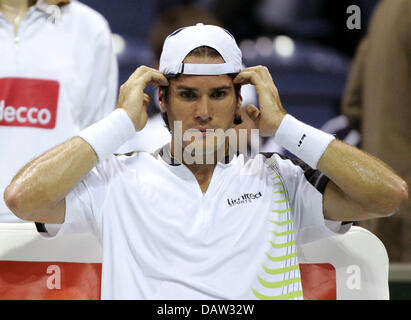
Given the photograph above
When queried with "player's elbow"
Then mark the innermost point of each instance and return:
(397, 196)
(401, 193)
(13, 200)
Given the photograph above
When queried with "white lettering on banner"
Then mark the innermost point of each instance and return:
(44, 116)
(23, 114)
(20, 118)
(9, 114)
(54, 281)
(30, 115)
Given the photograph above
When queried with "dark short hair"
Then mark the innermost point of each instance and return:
(203, 51)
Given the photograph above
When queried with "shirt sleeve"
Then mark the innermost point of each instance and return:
(83, 205)
(306, 188)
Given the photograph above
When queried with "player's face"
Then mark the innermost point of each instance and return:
(202, 102)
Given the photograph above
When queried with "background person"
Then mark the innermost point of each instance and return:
(377, 103)
(57, 76)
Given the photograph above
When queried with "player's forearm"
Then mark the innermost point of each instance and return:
(359, 179)
(44, 182)
(363, 178)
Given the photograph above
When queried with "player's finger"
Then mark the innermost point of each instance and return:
(146, 100)
(262, 72)
(252, 112)
(137, 73)
(152, 77)
(144, 75)
(158, 78)
(246, 77)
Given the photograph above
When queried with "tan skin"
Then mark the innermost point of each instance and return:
(15, 10)
(361, 186)
(201, 102)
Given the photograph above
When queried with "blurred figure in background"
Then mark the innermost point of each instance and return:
(377, 103)
(58, 75)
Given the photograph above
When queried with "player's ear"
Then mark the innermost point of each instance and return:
(239, 100)
(162, 98)
(237, 117)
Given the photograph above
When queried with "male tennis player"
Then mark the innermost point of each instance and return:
(171, 229)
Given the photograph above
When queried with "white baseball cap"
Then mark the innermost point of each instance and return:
(182, 41)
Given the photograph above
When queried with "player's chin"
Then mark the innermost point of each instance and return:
(203, 145)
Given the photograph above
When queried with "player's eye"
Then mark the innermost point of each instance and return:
(219, 94)
(187, 95)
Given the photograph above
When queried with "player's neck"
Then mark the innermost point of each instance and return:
(203, 171)
(15, 10)
(203, 174)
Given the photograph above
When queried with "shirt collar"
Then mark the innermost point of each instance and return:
(41, 5)
(44, 7)
(30, 9)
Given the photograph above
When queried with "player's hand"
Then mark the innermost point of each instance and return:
(272, 112)
(132, 97)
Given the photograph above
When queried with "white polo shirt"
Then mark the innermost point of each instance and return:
(162, 238)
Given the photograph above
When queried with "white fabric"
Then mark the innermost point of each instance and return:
(249, 95)
(22, 242)
(304, 141)
(179, 44)
(154, 135)
(359, 258)
(360, 261)
(76, 55)
(340, 123)
(207, 69)
(109, 134)
(163, 238)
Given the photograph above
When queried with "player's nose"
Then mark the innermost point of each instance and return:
(202, 111)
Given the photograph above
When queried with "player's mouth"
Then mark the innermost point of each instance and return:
(202, 130)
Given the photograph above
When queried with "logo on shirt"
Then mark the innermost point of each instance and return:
(28, 102)
(245, 198)
(301, 140)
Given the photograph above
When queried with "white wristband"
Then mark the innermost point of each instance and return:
(304, 141)
(107, 135)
